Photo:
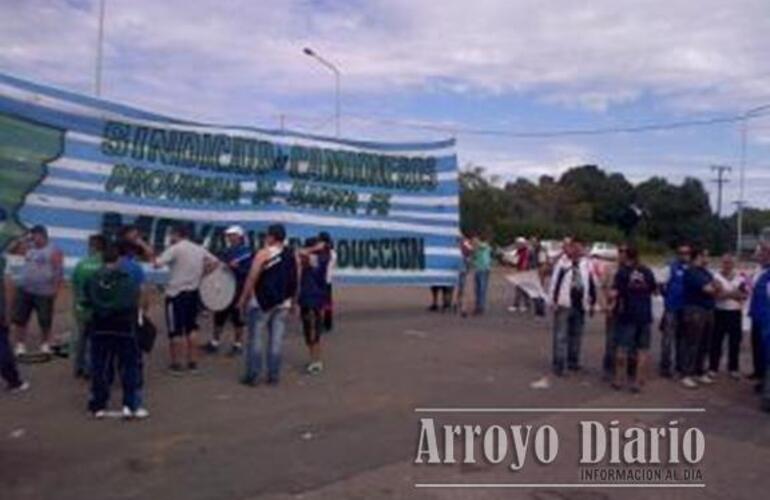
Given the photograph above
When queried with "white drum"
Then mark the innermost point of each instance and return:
(217, 289)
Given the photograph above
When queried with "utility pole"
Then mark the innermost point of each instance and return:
(720, 181)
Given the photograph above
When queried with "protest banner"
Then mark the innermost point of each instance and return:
(81, 165)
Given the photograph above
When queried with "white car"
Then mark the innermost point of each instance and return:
(604, 250)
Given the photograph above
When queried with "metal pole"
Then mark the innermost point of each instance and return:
(99, 50)
(742, 183)
(337, 107)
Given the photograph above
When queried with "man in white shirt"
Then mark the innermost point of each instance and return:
(572, 292)
(728, 317)
(187, 263)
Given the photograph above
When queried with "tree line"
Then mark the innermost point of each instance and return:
(588, 202)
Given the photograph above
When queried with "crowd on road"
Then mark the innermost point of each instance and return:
(111, 302)
(703, 309)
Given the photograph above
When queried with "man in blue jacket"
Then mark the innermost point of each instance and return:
(759, 310)
(673, 320)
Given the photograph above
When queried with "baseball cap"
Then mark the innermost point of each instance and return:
(238, 230)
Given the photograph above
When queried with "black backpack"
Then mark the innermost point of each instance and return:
(113, 297)
(277, 281)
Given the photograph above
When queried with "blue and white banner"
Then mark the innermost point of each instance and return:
(81, 165)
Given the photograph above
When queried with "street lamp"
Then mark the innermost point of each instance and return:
(99, 49)
(742, 174)
(310, 52)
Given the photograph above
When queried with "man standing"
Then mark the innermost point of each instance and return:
(268, 292)
(187, 263)
(700, 288)
(759, 310)
(482, 263)
(8, 370)
(572, 293)
(83, 271)
(112, 296)
(237, 256)
(633, 287)
(608, 301)
(673, 317)
(728, 317)
(39, 282)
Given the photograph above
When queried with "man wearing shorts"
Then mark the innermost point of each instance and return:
(187, 263)
(39, 282)
(633, 287)
(8, 370)
(237, 257)
(312, 296)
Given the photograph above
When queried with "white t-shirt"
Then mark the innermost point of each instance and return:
(186, 261)
(729, 285)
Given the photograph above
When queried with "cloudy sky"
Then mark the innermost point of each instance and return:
(425, 69)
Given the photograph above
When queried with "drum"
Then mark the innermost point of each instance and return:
(217, 289)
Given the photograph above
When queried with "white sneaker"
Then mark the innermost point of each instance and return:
(689, 383)
(711, 374)
(513, 309)
(735, 375)
(141, 413)
(23, 387)
(21, 349)
(706, 379)
(100, 414)
(315, 367)
(126, 413)
(45, 348)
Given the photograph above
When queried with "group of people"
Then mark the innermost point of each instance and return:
(111, 302)
(476, 263)
(703, 310)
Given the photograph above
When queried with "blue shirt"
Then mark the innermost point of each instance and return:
(133, 268)
(674, 299)
(759, 307)
(635, 286)
(695, 279)
(242, 255)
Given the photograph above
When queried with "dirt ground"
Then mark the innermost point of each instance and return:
(352, 432)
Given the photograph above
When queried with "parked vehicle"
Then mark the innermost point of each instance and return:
(604, 250)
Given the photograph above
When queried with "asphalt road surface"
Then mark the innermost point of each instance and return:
(352, 432)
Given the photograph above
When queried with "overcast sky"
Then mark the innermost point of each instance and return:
(511, 65)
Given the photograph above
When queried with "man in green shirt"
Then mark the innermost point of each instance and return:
(482, 263)
(84, 270)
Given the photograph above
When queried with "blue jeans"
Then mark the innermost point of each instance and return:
(274, 321)
(568, 323)
(482, 283)
(109, 352)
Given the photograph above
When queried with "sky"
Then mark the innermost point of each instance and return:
(426, 70)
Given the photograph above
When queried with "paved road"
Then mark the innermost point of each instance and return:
(352, 432)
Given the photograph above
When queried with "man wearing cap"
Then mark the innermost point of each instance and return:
(39, 282)
(237, 256)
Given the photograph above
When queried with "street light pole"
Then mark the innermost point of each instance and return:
(99, 50)
(742, 174)
(337, 91)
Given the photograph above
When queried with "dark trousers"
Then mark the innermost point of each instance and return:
(726, 324)
(672, 329)
(757, 352)
(698, 328)
(7, 360)
(107, 352)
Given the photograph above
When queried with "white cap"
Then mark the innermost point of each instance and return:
(235, 230)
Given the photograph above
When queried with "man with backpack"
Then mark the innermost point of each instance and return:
(268, 292)
(112, 296)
